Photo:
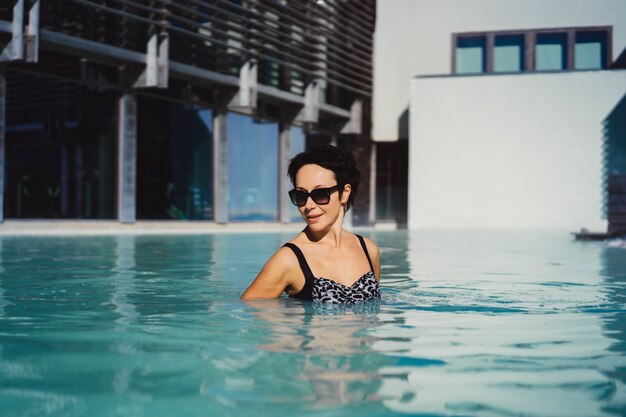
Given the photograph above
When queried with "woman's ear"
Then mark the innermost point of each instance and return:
(345, 194)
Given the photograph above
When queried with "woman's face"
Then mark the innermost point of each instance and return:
(320, 216)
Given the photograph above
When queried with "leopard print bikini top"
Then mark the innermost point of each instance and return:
(328, 291)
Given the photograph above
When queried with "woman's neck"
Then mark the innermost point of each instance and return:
(331, 235)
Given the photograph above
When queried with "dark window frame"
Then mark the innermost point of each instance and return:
(530, 42)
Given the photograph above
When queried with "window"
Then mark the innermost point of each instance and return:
(61, 141)
(470, 55)
(551, 52)
(590, 50)
(174, 177)
(508, 53)
(564, 49)
(252, 169)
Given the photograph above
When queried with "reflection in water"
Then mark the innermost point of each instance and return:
(520, 364)
(500, 324)
(614, 273)
(123, 281)
(3, 301)
(317, 329)
(238, 258)
(333, 342)
(161, 286)
(398, 277)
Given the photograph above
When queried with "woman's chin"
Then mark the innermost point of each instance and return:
(319, 226)
(314, 226)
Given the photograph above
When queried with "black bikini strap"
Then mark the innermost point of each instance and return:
(306, 292)
(365, 250)
(304, 266)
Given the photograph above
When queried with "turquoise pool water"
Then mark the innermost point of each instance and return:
(470, 324)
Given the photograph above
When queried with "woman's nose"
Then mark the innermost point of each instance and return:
(310, 204)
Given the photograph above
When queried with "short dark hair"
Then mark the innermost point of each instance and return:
(339, 161)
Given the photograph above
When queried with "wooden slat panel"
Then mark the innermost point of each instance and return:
(617, 204)
(615, 198)
(297, 39)
(617, 184)
(617, 208)
(616, 228)
(617, 218)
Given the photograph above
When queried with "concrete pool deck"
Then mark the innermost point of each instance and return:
(146, 227)
(112, 227)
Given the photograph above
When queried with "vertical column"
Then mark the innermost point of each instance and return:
(64, 186)
(570, 50)
(530, 41)
(453, 54)
(362, 151)
(489, 52)
(79, 201)
(220, 166)
(284, 152)
(372, 214)
(127, 159)
(608, 56)
(17, 39)
(32, 33)
(2, 138)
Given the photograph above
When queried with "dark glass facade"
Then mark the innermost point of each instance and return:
(174, 161)
(60, 149)
(177, 109)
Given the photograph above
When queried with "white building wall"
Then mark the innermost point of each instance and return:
(510, 151)
(414, 37)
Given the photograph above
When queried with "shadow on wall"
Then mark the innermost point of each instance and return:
(392, 172)
(403, 124)
(614, 148)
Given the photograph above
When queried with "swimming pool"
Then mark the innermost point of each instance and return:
(470, 324)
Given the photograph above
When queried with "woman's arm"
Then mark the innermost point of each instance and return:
(274, 278)
(374, 252)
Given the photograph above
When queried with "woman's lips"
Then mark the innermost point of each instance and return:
(313, 218)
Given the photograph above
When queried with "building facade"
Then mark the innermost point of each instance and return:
(177, 109)
(516, 109)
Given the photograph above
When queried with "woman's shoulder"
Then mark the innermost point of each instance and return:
(275, 276)
(367, 240)
(284, 256)
(372, 247)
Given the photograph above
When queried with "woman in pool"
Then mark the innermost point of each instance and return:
(324, 262)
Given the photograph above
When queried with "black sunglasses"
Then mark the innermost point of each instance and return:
(319, 195)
